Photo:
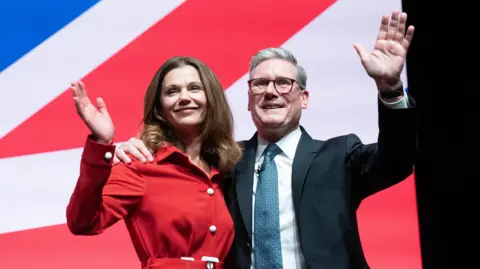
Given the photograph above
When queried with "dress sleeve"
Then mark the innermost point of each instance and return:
(104, 193)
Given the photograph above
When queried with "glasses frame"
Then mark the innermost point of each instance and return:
(293, 81)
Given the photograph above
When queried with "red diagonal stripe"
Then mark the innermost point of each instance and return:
(224, 34)
(55, 247)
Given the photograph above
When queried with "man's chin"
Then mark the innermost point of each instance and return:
(267, 122)
(272, 124)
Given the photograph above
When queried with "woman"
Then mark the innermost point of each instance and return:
(173, 207)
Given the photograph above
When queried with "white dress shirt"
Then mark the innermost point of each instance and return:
(292, 255)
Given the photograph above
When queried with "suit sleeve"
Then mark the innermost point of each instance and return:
(103, 194)
(380, 165)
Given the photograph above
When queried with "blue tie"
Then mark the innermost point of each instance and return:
(268, 250)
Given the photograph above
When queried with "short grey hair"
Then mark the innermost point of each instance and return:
(280, 53)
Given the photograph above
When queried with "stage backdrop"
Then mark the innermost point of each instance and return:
(115, 47)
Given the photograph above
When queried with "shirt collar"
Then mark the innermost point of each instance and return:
(288, 144)
(167, 150)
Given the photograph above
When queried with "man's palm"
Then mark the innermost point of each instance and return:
(385, 63)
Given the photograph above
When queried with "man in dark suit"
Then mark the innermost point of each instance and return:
(293, 198)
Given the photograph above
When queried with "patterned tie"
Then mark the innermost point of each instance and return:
(268, 251)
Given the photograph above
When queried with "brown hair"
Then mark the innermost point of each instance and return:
(218, 145)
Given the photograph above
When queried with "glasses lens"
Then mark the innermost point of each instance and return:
(283, 85)
(259, 85)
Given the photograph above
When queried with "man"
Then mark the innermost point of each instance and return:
(294, 199)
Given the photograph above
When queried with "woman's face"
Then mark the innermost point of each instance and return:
(183, 99)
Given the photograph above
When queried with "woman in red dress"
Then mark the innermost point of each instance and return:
(173, 207)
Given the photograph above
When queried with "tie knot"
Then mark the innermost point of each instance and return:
(271, 151)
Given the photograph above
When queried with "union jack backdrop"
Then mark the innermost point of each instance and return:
(115, 47)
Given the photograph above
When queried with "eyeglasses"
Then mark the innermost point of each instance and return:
(260, 85)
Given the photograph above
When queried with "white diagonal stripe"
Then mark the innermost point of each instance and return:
(71, 53)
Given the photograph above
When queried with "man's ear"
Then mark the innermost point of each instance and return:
(305, 96)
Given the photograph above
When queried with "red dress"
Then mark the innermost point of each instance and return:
(174, 211)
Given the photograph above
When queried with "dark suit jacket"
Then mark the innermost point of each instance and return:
(329, 180)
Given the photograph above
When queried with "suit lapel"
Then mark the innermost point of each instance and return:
(304, 155)
(244, 183)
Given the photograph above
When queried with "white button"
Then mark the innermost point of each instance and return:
(210, 191)
(213, 228)
(108, 156)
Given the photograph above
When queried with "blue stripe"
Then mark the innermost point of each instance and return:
(24, 24)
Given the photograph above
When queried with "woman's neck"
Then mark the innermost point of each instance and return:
(193, 148)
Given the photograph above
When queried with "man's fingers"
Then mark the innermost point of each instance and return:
(140, 146)
(382, 33)
(393, 25)
(361, 51)
(116, 160)
(121, 155)
(408, 37)
(136, 153)
(136, 148)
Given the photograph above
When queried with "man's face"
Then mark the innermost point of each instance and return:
(272, 110)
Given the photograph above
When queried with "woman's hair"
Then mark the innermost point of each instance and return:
(218, 145)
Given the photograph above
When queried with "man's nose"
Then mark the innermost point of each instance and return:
(270, 90)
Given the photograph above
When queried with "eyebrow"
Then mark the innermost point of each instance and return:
(191, 83)
(272, 79)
